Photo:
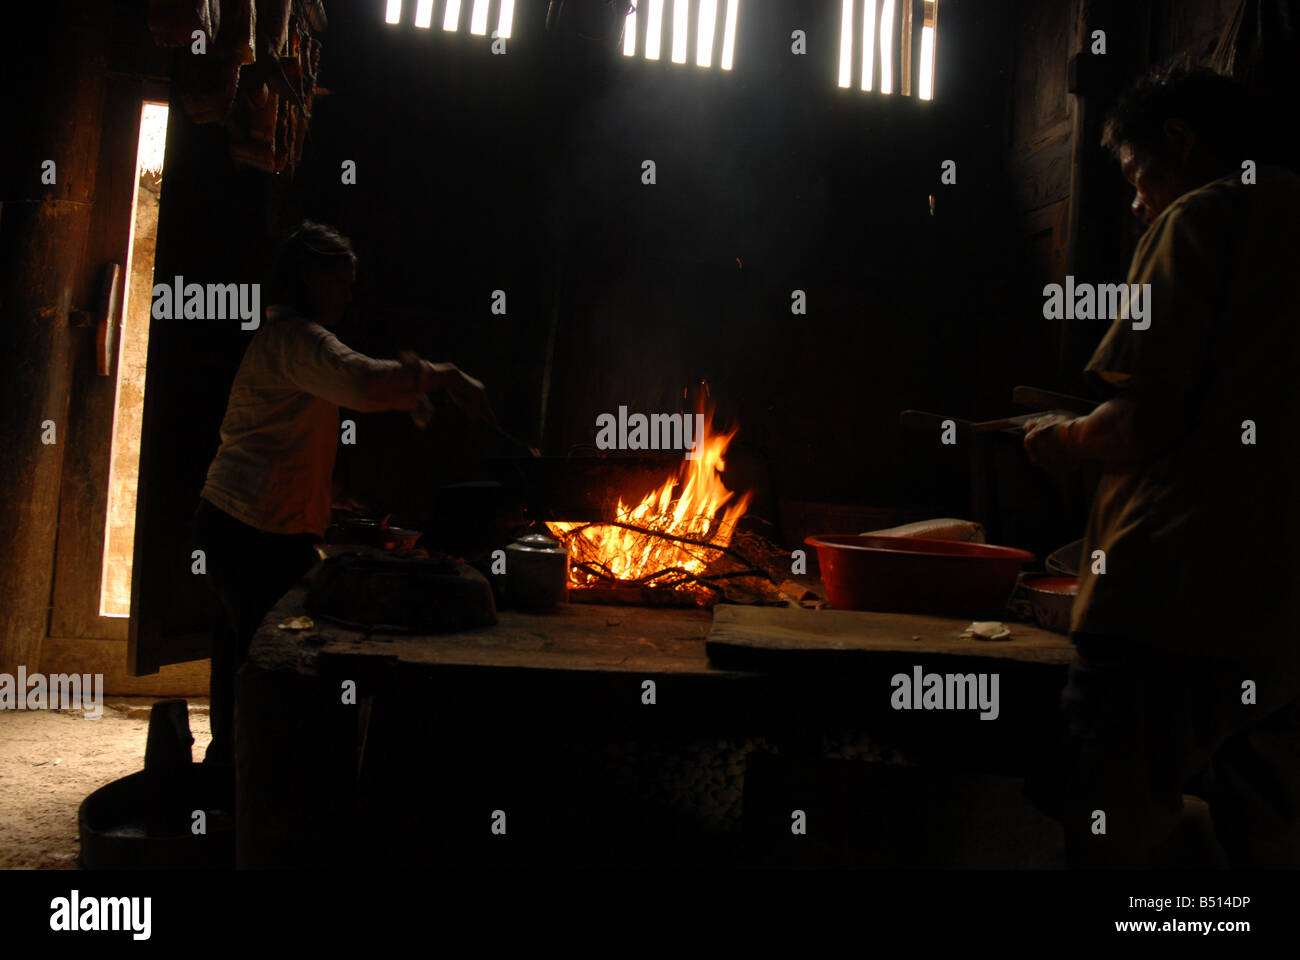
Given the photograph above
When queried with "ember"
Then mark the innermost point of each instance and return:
(673, 538)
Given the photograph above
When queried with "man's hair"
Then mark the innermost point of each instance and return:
(1215, 107)
(309, 245)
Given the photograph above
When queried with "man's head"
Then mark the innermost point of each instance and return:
(1176, 130)
(314, 272)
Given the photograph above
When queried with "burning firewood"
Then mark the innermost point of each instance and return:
(680, 545)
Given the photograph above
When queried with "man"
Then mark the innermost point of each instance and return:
(1185, 621)
(266, 501)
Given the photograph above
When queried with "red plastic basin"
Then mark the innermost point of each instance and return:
(947, 578)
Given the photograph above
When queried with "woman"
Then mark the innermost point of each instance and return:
(266, 502)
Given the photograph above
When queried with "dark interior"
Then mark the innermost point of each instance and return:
(804, 251)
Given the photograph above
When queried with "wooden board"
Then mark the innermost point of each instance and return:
(108, 657)
(571, 637)
(751, 637)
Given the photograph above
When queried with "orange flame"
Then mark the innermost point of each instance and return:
(703, 510)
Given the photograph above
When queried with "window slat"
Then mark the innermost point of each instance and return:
(888, 45)
(706, 34)
(929, 34)
(870, 17)
(846, 42)
(451, 18)
(654, 29)
(630, 34)
(728, 56)
(506, 19)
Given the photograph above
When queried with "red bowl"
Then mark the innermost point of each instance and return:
(949, 578)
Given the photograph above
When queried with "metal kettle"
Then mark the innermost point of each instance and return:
(537, 572)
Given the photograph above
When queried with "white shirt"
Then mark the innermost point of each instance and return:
(280, 433)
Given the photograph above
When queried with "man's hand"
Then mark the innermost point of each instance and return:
(1049, 443)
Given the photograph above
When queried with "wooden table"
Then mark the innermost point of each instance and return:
(583, 672)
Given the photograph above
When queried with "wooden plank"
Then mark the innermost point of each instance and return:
(572, 637)
(187, 380)
(748, 636)
(108, 657)
(1046, 233)
(1043, 175)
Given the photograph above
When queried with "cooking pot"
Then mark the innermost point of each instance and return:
(1066, 561)
(373, 533)
(537, 572)
(1052, 599)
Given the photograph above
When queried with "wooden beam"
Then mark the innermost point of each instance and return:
(108, 657)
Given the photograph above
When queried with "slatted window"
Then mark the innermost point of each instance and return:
(454, 15)
(888, 46)
(705, 28)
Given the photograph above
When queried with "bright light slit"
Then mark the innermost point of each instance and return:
(729, 35)
(887, 47)
(393, 12)
(629, 34)
(927, 63)
(868, 44)
(451, 16)
(132, 349)
(424, 13)
(681, 19)
(704, 36)
(846, 43)
(478, 19)
(654, 29)
(506, 19)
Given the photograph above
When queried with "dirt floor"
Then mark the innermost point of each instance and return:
(51, 760)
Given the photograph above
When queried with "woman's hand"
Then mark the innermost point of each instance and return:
(1105, 436)
(468, 393)
(420, 408)
(1049, 442)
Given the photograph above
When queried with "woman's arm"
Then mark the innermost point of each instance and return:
(468, 393)
(1105, 436)
(318, 363)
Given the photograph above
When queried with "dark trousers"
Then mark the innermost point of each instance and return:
(1139, 725)
(248, 571)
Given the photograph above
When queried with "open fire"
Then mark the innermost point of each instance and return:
(672, 539)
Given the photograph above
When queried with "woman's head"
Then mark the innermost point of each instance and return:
(314, 272)
(1177, 129)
